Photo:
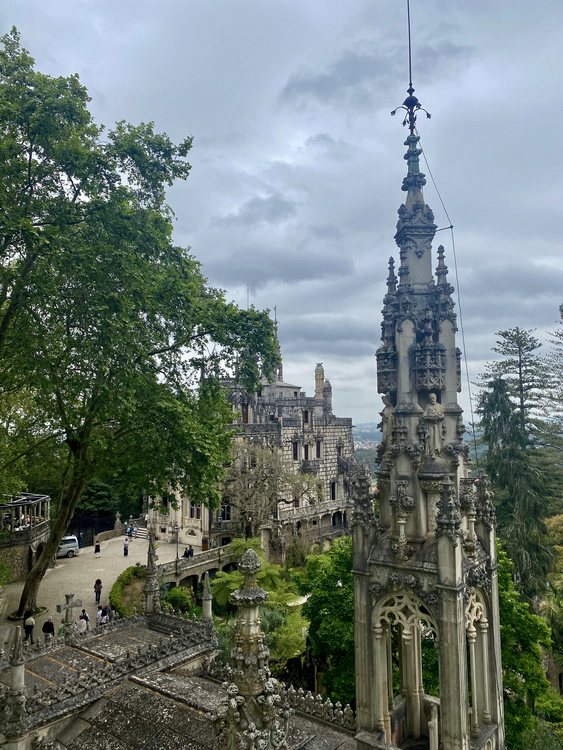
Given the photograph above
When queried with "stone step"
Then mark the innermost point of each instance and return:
(141, 533)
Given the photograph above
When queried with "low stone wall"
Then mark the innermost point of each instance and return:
(111, 534)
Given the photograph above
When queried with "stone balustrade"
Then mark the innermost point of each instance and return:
(313, 511)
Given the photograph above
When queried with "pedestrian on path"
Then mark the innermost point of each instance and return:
(48, 630)
(97, 549)
(98, 590)
(86, 618)
(61, 630)
(28, 626)
(125, 547)
(81, 625)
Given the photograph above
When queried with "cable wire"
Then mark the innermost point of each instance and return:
(451, 228)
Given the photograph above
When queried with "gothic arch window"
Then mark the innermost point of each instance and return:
(406, 609)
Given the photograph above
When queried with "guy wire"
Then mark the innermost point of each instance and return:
(451, 228)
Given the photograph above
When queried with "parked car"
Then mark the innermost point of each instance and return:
(68, 547)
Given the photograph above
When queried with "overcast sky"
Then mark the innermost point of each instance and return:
(297, 165)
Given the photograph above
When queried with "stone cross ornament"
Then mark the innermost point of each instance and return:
(67, 608)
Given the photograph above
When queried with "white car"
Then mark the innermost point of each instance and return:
(68, 547)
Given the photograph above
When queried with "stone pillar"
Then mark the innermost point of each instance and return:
(380, 682)
(207, 598)
(365, 697)
(475, 684)
(151, 589)
(484, 647)
(17, 665)
(433, 733)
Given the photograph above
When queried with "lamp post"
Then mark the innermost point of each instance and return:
(177, 530)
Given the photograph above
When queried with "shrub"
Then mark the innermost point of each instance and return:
(180, 599)
(116, 593)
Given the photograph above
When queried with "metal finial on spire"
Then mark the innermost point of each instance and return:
(411, 105)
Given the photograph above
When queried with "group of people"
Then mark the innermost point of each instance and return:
(48, 629)
(103, 616)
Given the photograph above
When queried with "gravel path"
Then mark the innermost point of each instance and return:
(77, 575)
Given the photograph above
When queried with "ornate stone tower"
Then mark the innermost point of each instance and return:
(426, 574)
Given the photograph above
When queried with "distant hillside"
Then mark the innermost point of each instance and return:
(366, 435)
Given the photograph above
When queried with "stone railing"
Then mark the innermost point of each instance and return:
(312, 511)
(218, 555)
(303, 702)
(233, 527)
(26, 535)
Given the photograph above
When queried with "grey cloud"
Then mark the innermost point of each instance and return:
(258, 267)
(363, 78)
(327, 232)
(275, 209)
(336, 149)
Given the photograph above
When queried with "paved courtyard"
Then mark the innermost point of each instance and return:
(77, 576)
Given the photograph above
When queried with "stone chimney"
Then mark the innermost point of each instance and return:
(319, 381)
(327, 397)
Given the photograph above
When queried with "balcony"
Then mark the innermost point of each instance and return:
(311, 511)
(310, 466)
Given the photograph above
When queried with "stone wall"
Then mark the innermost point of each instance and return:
(14, 560)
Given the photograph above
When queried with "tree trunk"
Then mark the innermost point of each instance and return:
(78, 482)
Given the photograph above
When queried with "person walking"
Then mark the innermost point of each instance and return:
(28, 626)
(81, 625)
(125, 547)
(97, 549)
(48, 630)
(98, 590)
(85, 617)
(61, 630)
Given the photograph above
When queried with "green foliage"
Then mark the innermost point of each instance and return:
(116, 593)
(98, 497)
(6, 573)
(180, 598)
(542, 737)
(523, 636)
(272, 578)
(238, 546)
(330, 609)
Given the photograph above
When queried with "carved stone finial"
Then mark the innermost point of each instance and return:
(448, 521)
(391, 278)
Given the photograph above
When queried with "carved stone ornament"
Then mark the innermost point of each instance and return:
(386, 370)
(402, 502)
(402, 549)
(485, 509)
(432, 420)
(362, 513)
(448, 519)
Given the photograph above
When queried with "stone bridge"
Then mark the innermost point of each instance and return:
(188, 571)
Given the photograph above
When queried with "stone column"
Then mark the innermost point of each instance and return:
(207, 598)
(380, 682)
(433, 729)
(475, 685)
(484, 643)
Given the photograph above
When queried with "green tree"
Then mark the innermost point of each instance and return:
(120, 344)
(525, 373)
(521, 487)
(329, 610)
(98, 497)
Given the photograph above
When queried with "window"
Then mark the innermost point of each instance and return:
(296, 451)
(245, 413)
(318, 449)
(226, 512)
(339, 451)
(295, 502)
(306, 450)
(306, 416)
(195, 510)
(295, 394)
(333, 490)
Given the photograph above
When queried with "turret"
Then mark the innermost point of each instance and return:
(319, 381)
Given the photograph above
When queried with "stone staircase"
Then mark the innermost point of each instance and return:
(141, 533)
